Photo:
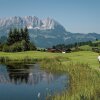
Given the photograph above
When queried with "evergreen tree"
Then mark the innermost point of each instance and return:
(10, 39)
(26, 35)
(21, 34)
(27, 39)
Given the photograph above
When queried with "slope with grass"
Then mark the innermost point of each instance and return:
(86, 48)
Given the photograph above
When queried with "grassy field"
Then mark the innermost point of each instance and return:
(87, 57)
(83, 68)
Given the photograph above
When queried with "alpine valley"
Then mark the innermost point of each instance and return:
(44, 33)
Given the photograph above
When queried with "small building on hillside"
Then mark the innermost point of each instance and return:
(59, 51)
(53, 50)
(68, 50)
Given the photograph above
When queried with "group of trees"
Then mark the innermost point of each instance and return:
(18, 40)
(95, 44)
(74, 45)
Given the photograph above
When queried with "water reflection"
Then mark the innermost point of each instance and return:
(26, 75)
(4, 76)
(30, 81)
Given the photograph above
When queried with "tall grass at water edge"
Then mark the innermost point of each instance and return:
(84, 81)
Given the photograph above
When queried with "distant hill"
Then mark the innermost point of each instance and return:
(86, 48)
(44, 33)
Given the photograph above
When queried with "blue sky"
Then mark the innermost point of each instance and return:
(75, 15)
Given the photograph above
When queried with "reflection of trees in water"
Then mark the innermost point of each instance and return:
(4, 77)
(35, 78)
(24, 75)
(18, 73)
(18, 78)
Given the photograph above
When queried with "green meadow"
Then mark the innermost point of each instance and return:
(82, 67)
(86, 57)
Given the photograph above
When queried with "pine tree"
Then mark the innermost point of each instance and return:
(27, 39)
(21, 34)
(10, 39)
(26, 35)
(15, 32)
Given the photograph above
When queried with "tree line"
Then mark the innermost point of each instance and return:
(18, 40)
(74, 45)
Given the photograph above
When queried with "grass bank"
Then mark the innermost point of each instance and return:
(84, 80)
(82, 67)
(82, 57)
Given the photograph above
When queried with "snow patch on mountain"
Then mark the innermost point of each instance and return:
(29, 27)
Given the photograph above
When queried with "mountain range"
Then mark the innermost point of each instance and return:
(44, 33)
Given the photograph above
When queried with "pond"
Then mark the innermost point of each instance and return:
(29, 82)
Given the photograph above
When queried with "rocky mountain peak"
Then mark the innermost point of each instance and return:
(32, 22)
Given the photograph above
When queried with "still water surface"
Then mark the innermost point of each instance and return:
(29, 82)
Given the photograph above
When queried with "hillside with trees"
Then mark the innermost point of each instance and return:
(70, 46)
(18, 40)
(80, 46)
